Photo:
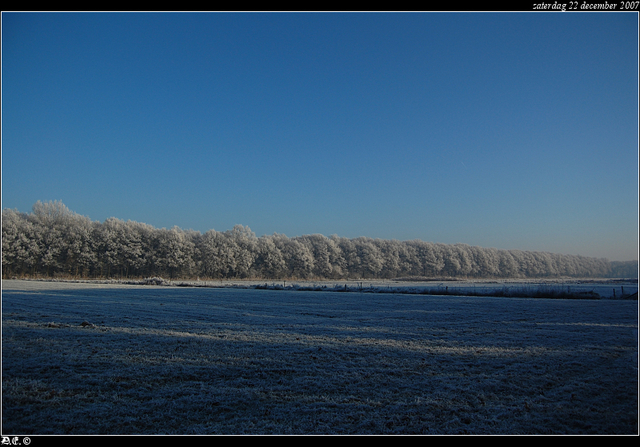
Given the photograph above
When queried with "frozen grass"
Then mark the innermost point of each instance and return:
(173, 360)
(565, 288)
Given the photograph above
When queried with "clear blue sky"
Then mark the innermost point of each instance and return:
(506, 130)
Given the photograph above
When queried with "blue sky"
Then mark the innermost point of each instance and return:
(506, 130)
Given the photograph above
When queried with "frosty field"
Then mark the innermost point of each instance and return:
(118, 359)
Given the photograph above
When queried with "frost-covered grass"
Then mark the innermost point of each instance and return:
(568, 288)
(84, 358)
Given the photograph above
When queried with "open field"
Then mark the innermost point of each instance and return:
(81, 358)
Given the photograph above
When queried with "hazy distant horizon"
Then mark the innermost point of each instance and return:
(516, 131)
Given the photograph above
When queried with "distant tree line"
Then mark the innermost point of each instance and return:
(54, 241)
(624, 269)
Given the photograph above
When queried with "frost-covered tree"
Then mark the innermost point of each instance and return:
(81, 255)
(350, 255)
(431, 258)
(390, 252)
(623, 269)
(485, 261)
(465, 259)
(242, 246)
(370, 257)
(53, 240)
(216, 256)
(409, 262)
(50, 214)
(336, 257)
(321, 249)
(20, 248)
(269, 262)
(50, 221)
(173, 253)
(298, 258)
(507, 265)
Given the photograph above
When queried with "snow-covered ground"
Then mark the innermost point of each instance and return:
(85, 358)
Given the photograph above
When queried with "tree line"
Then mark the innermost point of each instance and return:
(53, 241)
